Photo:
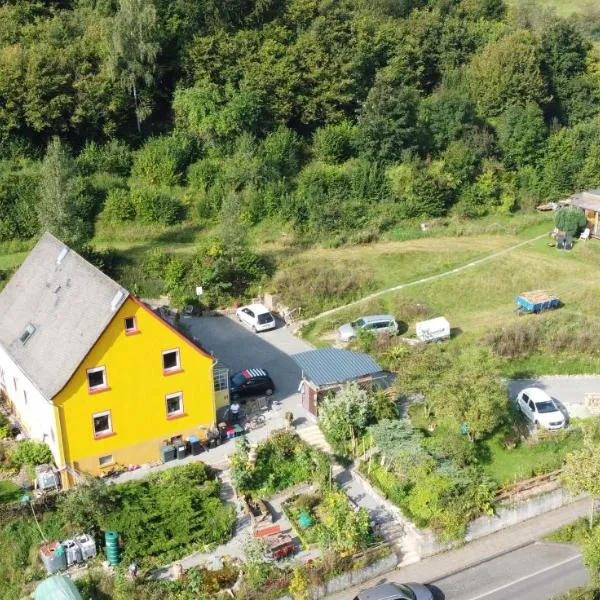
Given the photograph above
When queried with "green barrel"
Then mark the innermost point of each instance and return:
(111, 550)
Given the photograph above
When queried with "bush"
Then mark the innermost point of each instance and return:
(162, 160)
(283, 461)
(113, 157)
(31, 453)
(154, 206)
(4, 428)
(119, 206)
(335, 143)
(162, 516)
(571, 220)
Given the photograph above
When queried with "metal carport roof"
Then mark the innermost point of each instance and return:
(328, 366)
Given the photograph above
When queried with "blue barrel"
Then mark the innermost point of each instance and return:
(111, 550)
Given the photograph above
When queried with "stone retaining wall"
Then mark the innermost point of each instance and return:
(352, 578)
(424, 541)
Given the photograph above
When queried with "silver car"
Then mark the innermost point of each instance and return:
(375, 324)
(392, 591)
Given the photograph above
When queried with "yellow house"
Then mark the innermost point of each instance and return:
(91, 370)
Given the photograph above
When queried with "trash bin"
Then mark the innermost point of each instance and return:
(195, 445)
(167, 453)
(181, 451)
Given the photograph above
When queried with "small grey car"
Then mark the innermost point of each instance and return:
(375, 324)
(392, 591)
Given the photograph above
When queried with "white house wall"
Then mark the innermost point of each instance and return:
(36, 414)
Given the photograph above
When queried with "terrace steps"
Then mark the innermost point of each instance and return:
(314, 437)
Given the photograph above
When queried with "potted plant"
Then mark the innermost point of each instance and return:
(289, 418)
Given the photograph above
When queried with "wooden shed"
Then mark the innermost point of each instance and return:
(589, 202)
(326, 370)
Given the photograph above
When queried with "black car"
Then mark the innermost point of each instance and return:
(391, 591)
(250, 382)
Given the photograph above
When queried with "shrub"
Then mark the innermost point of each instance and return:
(164, 515)
(113, 157)
(119, 206)
(335, 143)
(283, 460)
(31, 453)
(162, 160)
(154, 206)
(4, 428)
(570, 219)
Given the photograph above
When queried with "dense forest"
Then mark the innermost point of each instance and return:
(339, 118)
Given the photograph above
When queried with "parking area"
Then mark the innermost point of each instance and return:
(237, 347)
(568, 392)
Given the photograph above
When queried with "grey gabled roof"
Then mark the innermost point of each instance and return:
(589, 200)
(332, 365)
(68, 302)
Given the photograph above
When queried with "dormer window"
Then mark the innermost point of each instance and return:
(27, 333)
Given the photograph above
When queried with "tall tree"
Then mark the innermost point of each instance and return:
(63, 208)
(134, 50)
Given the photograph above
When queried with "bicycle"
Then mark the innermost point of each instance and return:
(256, 422)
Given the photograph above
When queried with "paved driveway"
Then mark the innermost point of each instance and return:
(568, 391)
(237, 347)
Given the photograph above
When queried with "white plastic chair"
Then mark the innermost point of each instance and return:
(585, 234)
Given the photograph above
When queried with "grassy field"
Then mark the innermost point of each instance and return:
(528, 459)
(563, 8)
(481, 299)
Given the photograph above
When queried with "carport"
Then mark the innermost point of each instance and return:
(326, 370)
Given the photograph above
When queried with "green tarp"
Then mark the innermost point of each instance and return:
(57, 587)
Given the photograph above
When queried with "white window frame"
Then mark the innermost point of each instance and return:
(221, 380)
(104, 384)
(132, 329)
(177, 366)
(105, 463)
(104, 413)
(175, 413)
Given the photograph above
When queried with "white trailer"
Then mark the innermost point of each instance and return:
(433, 330)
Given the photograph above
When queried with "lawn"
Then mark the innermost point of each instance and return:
(9, 491)
(481, 299)
(529, 458)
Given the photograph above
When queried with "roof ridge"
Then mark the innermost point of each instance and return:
(85, 261)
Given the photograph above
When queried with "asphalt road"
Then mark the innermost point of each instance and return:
(539, 571)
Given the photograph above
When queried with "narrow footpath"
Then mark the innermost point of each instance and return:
(402, 286)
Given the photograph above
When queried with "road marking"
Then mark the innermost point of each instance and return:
(526, 577)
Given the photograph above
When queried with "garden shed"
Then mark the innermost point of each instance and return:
(325, 370)
(589, 202)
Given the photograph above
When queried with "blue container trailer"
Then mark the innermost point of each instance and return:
(536, 302)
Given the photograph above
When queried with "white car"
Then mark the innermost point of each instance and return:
(256, 316)
(540, 409)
